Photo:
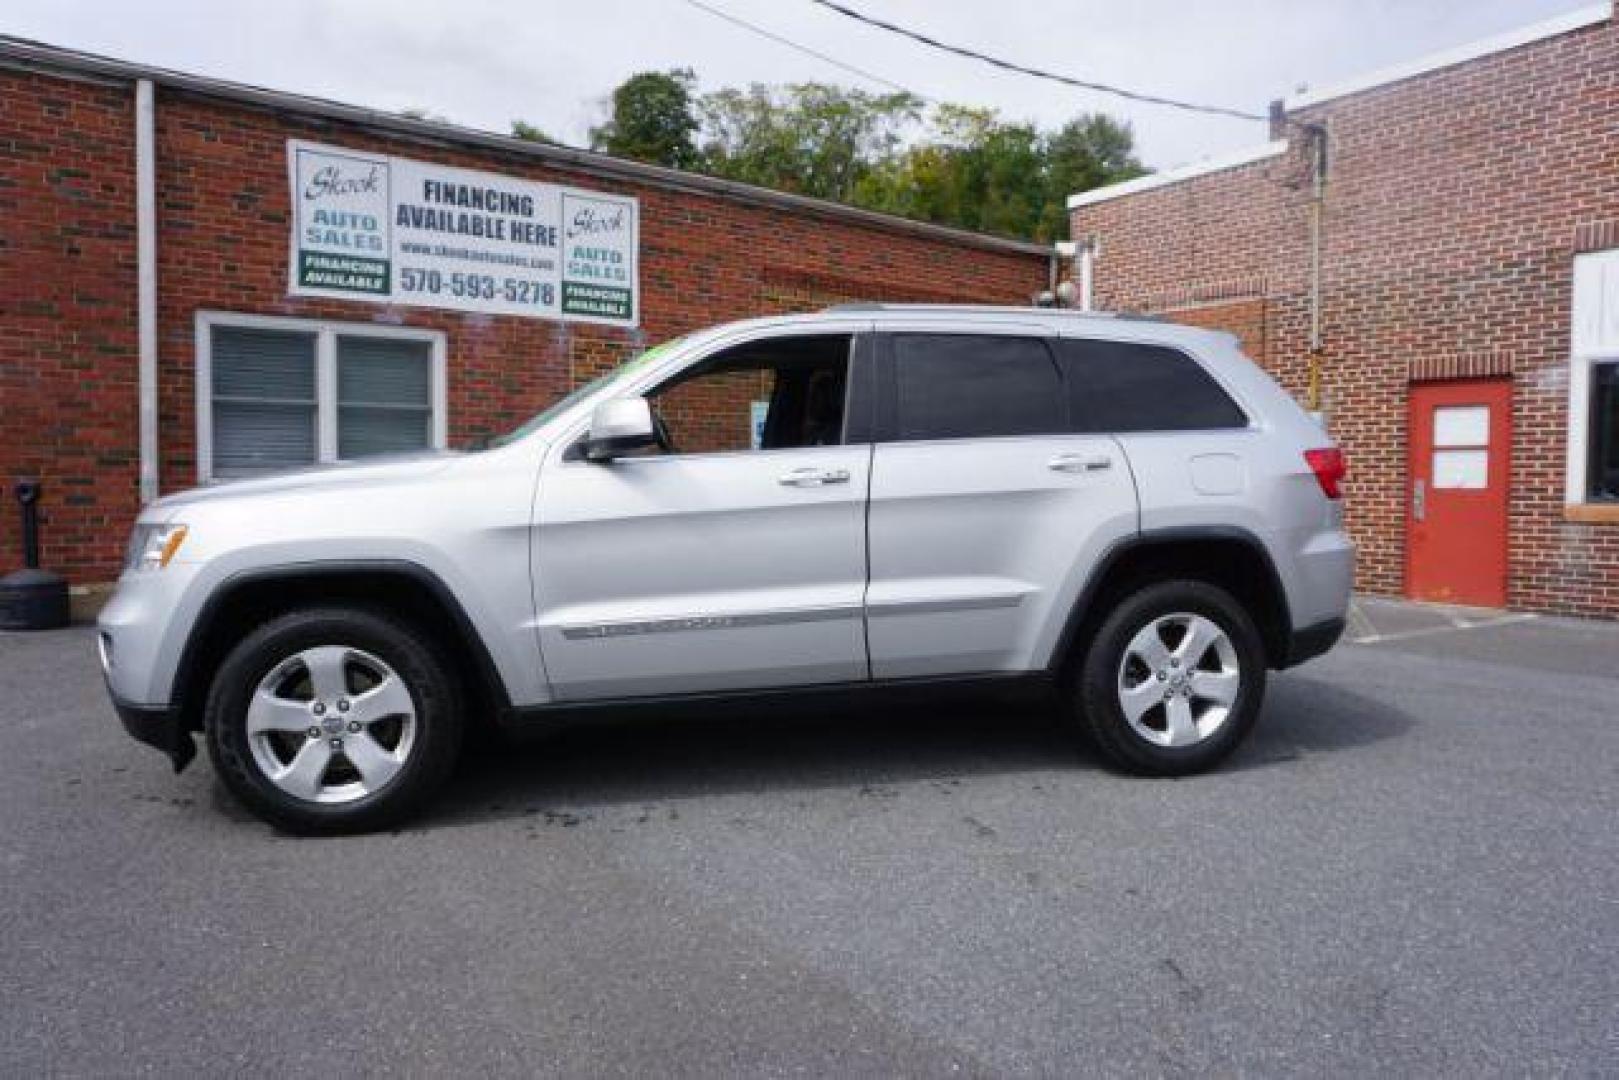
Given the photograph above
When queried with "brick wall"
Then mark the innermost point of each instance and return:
(67, 285)
(1455, 204)
(67, 316)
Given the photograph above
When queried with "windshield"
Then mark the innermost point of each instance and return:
(568, 401)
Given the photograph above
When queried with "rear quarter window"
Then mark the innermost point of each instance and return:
(1124, 386)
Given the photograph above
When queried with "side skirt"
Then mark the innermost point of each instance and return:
(1032, 687)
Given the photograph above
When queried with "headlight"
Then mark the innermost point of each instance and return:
(152, 546)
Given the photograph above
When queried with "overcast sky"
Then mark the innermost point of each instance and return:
(487, 62)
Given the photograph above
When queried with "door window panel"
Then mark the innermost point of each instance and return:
(965, 386)
(766, 395)
(1461, 438)
(1461, 425)
(1461, 469)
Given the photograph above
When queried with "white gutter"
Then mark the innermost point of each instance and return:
(146, 281)
(1174, 176)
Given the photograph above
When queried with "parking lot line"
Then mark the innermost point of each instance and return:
(1455, 625)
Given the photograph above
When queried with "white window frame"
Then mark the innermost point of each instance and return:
(1595, 339)
(326, 332)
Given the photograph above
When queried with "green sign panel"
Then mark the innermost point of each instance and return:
(350, 273)
(602, 301)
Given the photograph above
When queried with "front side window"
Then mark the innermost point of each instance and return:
(1602, 471)
(1123, 386)
(974, 386)
(775, 394)
(283, 394)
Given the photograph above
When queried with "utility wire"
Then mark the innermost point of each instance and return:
(1103, 88)
(805, 49)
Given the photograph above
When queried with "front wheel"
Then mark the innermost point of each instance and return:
(1173, 679)
(333, 720)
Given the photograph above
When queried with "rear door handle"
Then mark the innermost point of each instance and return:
(1080, 463)
(814, 477)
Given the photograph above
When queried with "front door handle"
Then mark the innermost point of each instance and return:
(1419, 500)
(814, 477)
(1079, 463)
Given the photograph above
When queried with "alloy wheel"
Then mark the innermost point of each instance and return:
(331, 724)
(1178, 680)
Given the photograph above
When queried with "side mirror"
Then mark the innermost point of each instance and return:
(618, 427)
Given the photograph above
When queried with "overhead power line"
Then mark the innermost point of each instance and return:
(1007, 65)
(805, 49)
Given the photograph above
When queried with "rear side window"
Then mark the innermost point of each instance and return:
(974, 386)
(1122, 386)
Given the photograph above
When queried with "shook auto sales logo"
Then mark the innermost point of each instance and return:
(343, 239)
(598, 266)
(330, 181)
(593, 220)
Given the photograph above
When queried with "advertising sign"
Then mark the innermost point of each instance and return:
(396, 231)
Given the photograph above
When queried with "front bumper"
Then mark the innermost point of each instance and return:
(161, 726)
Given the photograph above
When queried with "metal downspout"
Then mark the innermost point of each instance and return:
(146, 282)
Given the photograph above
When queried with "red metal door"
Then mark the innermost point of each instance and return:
(1456, 498)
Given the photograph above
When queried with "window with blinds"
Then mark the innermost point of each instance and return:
(265, 413)
(384, 396)
(280, 394)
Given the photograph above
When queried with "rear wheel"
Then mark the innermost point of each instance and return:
(1173, 679)
(333, 720)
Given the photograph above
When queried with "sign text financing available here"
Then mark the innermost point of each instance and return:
(397, 231)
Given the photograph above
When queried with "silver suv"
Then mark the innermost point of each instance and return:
(872, 497)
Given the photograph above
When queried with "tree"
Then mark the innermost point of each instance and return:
(522, 129)
(953, 164)
(808, 138)
(653, 119)
(976, 171)
(1088, 152)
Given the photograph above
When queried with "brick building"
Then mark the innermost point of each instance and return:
(146, 263)
(1431, 256)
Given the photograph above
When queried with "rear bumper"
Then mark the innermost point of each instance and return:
(160, 726)
(1312, 641)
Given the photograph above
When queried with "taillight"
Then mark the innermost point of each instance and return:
(1328, 465)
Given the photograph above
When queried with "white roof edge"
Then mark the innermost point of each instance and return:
(1176, 175)
(1511, 39)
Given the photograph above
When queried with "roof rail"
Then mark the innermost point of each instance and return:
(992, 309)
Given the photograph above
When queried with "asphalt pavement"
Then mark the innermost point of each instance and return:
(1412, 868)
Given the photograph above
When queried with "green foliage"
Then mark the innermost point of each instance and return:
(951, 164)
(522, 129)
(653, 120)
(808, 138)
(1088, 152)
(976, 171)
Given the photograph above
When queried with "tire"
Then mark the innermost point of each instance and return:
(334, 720)
(1213, 697)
